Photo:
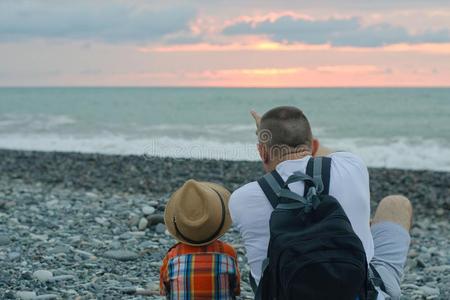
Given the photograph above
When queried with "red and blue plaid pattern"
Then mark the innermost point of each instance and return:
(201, 274)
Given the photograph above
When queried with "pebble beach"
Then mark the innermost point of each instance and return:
(90, 226)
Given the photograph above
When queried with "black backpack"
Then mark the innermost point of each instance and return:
(313, 251)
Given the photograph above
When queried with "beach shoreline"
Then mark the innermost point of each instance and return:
(65, 212)
(426, 189)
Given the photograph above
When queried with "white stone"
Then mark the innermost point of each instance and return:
(43, 275)
(52, 203)
(41, 237)
(101, 221)
(442, 268)
(148, 210)
(142, 223)
(84, 254)
(155, 264)
(138, 234)
(429, 291)
(153, 203)
(46, 297)
(25, 295)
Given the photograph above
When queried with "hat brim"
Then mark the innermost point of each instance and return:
(170, 211)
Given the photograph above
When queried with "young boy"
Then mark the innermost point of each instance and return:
(199, 266)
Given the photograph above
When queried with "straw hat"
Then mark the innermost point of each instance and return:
(197, 213)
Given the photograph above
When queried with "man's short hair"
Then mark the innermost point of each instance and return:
(285, 126)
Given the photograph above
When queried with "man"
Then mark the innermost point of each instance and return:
(286, 144)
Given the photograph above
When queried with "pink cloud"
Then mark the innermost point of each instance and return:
(349, 69)
(322, 76)
(261, 44)
(257, 44)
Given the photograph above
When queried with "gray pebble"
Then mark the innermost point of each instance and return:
(4, 240)
(102, 221)
(160, 228)
(153, 203)
(13, 255)
(410, 286)
(148, 210)
(440, 211)
(115, 245)
(62, 278)
(122, 255)
(155, 219)
(126, 236)
(429, 291)
(442, 268)
(43, 275)
(46, 297)
(163, 241)
(417, 232)
(413, 253)
(26, 276)
(51, 215)
(133, 220)
(425, 256)
(75, 238)
(142, 224)
(84, 254)
(420, 263)
(137, 234)
(59, 249)
(147, 244)
(25, 295)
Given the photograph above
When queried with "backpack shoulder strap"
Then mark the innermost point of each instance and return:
(271, 184)
(319, 168)
(309, 171)
(277, 177)
(326, 169)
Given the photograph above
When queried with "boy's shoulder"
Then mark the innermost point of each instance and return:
(228, 248)
(215, 247)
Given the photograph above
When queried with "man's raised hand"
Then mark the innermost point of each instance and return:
(257, 119)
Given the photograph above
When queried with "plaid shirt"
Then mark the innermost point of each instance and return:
(205, 272)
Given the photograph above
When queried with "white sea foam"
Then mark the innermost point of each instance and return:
(33, 122)
(393, 153)
(402, 153)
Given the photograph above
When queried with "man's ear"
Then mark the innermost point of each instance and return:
(263, 153)
(315, 146)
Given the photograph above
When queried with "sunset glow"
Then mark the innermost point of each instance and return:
(272, 45)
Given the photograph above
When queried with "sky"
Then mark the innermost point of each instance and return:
(231, 43)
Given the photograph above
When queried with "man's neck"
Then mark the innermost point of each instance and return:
(290, 156)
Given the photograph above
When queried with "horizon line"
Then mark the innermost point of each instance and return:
(231, 87)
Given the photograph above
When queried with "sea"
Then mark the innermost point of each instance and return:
(387, 127)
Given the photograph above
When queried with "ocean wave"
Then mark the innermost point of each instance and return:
(398, 152)
(33, 122)
(64, 125)
(404, 153)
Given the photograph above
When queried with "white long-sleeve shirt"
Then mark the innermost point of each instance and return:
(349, 184)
